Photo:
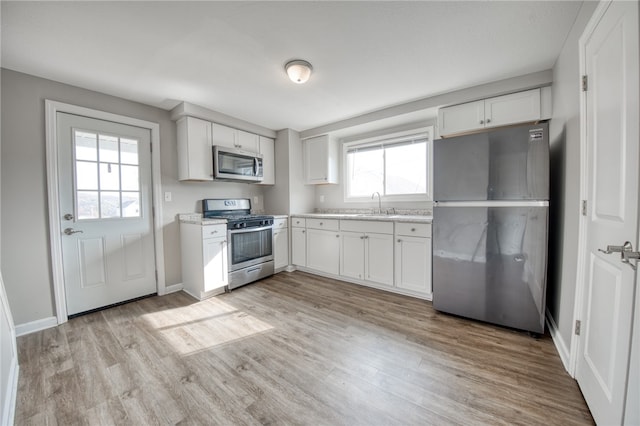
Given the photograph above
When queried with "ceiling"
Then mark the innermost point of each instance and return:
(230, 56)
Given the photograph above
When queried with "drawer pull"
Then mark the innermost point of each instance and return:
(321, 223)
(413, 229)
(399, 240)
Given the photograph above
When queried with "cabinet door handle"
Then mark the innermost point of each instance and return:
(399, 240)
(481, 121)
(337, 235)
(320, 223)
(303, 231)
(488, 120)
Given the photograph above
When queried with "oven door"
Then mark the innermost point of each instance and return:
(249, 247)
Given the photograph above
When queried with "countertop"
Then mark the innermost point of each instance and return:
(196, 219)
(367, 216)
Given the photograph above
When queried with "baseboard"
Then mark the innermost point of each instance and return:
(561, 347)
(173, 288)
(8, 414)
(37, 325)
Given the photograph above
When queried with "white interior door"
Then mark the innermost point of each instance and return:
(106, 212)
(611, 62)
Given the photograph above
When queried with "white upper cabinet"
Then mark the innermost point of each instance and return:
(321, 160)
(224, 136)
(247, 141)
(196, 138)
(234, 138)
(461, 118)
(514, 108)
(195, 157)
(267, 149)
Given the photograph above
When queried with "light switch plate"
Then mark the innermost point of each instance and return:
(167, 196)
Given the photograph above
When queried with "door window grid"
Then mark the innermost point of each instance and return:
(107, 176)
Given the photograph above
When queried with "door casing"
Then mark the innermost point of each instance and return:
(55, 231)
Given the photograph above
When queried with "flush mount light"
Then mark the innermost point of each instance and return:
(298, 71)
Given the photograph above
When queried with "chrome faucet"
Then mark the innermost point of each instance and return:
(379, 201)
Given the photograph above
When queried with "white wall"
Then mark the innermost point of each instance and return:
(290, 195)
(8, 345)
(565, 180)
(24, 222)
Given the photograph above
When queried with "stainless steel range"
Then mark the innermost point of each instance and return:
(249, 236)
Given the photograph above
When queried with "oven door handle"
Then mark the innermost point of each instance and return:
(245, 230)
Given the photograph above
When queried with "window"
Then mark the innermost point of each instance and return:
(107, 177)
(398, 168)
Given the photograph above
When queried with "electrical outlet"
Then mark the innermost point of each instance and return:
(256, 199)
(167, 196)
(322, 198)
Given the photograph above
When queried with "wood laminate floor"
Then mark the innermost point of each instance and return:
(291, 349)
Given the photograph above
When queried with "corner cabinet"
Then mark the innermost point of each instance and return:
(520, 107)
(205, 271)
(321, 160)
(195, 157)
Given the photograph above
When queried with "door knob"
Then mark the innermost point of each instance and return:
(68, 216)
(618, 249)
(70, 231)
(626, 253)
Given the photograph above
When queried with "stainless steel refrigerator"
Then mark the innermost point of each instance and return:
(490, 222)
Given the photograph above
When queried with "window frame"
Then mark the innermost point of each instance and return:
(390, 138)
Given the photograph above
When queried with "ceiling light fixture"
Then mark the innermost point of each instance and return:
(298, 70)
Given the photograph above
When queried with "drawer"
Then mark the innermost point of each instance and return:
(214, 231)
(328, 224)
(413, 229)
(298, 222)
(279, 224)
(367, 226)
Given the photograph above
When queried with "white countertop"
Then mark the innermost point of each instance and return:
(367, 216)
(196, 219)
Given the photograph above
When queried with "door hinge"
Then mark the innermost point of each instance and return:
(585, 83)
(584, 207)
(150, 147)
(576, 330)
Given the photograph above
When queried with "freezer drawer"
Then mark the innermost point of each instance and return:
(490, 264)
(506, 164)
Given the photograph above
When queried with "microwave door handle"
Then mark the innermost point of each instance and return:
(256, 166)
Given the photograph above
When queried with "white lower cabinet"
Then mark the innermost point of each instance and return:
(323, 251)
(205, 270)
(394, 256)
(298, 246)
(379, 258)
(367, 257)
(280, 244)
(413, 257)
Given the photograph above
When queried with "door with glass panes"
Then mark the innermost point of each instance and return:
(104, 186)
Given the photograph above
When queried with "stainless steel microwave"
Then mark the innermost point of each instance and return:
(236, 165)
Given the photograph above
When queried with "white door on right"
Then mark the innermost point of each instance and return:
(611, 61)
